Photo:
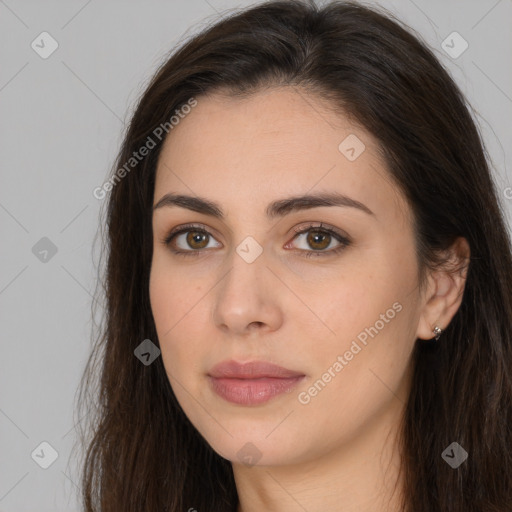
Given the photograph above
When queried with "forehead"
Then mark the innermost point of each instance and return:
(274, 143)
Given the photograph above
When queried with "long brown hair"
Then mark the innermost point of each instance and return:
(141, 451)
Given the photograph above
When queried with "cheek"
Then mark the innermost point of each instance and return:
(172, 294)
(370, 313)
(356, 301)
(175, 304)
(162, 298)
(354, 381)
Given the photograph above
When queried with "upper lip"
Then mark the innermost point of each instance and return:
(251, 370)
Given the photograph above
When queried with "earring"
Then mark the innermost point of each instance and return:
(437, 331)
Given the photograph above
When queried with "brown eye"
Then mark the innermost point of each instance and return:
(317, 239)
(189, 240)
(196, 239)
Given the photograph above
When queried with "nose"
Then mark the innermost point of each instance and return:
(246, 298)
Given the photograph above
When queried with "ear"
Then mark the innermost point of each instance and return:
(444, 292)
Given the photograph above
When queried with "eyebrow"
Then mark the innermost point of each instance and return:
(277, 208)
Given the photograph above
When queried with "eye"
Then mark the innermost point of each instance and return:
(194, 238)
(320, 238)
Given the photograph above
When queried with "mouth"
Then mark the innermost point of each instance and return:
(251, 383)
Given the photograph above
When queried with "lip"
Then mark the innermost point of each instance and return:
(251, 383)
(251, 370)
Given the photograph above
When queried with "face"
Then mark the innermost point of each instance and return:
(337, 305)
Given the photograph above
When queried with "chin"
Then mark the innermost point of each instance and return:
(255, 450)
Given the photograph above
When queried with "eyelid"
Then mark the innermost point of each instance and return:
(183, 228)
(321, 227)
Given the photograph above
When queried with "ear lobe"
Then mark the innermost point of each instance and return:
(445, 291)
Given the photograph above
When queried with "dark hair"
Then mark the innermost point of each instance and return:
(143, 453)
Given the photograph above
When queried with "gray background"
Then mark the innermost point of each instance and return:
(61, 124)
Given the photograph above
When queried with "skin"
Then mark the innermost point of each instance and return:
(338, 451)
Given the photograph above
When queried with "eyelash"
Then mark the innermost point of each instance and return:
(343, 240)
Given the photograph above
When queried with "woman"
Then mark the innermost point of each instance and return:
(308, 281)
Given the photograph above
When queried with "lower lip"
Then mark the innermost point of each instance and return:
(252, 391)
